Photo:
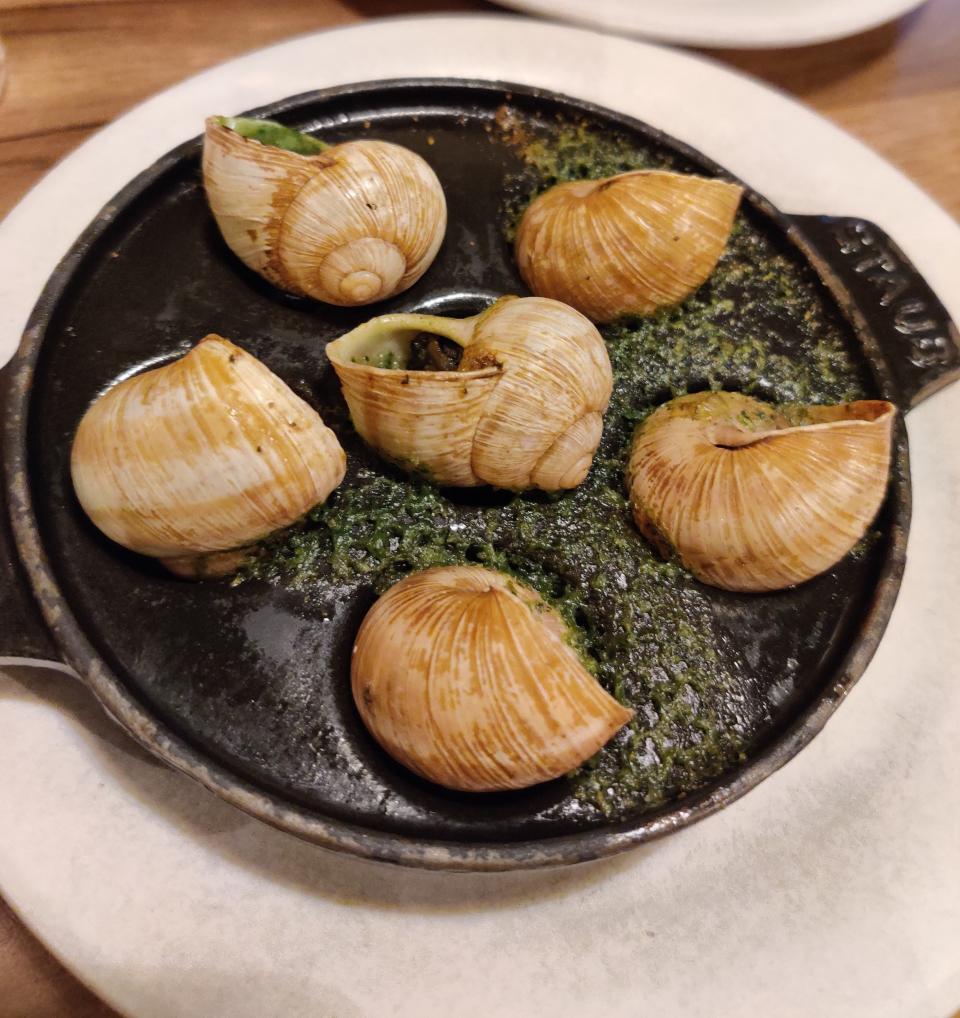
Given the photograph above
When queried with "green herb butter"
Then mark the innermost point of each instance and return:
(269, 132)
(644, 626)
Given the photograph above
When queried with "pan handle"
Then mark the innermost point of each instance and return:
(918, 341)
(24, 637)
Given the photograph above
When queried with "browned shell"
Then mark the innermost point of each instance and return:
(752, 500)
(627, 244)
(202, 456)
(354, 224)
(466, 677)
(524, 409)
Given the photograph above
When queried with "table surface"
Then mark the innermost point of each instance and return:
(74, 65)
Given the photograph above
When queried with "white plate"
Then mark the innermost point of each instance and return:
(830, 890)
(750, 24)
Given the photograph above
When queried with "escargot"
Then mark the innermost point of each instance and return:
(752, 498)
(194, 461)
(468, 678)
(627, 244)
(348, 224)
(522, 408)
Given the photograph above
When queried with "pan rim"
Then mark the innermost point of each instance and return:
(335, 834)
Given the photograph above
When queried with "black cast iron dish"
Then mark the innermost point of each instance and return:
(245, 689)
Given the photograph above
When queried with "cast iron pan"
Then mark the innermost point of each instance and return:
(246, 688)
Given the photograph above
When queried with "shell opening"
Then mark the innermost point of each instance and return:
(752, 497)
(520, 408)
(729, 435)
(405, 343)
(269, 132)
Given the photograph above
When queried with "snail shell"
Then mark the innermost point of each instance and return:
(524, 409)
(349, 225)
(467, 678)
(200, 457)
(750, 502)
(626, 244)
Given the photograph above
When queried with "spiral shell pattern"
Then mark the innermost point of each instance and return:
(354, 224)
(523, 410)
(467, 678)
(627, 244)
(209, 453)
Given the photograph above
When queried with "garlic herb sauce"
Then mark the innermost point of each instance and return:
(644, 626)
(269, 132)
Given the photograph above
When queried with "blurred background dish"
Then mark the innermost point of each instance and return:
(749, 24)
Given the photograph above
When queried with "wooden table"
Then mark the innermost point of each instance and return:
(73, 65)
